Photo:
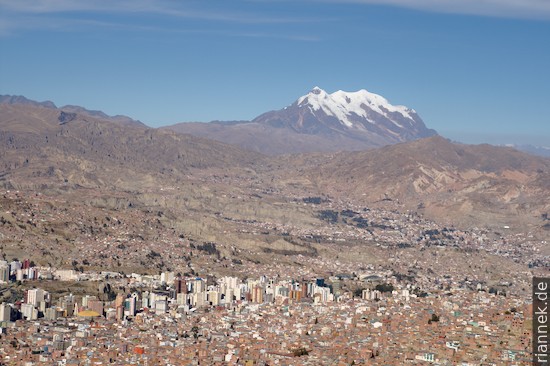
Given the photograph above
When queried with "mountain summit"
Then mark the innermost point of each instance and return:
(345, 106)
(361, 115)
(319, 121)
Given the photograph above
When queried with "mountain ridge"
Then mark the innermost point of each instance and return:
(319, 121)
(456, 183)
(21, 100)
(52, 145)
(460, 183)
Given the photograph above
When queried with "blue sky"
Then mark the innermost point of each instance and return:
(476, 71)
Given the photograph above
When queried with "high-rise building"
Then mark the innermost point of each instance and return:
(5, 312)
(32, 273)
(258, 294)
(296, 295)
(230, 282)
(50, 314)
(35, 296)
(145, 299)
(14, 266)
(214, 297)
(161, 307)
(181, 299)
(4, 272)
(86, 298)
(29, 312)
(167, 277)
(95, 305)
(119, 301)
(67, 304)
(304, 289)
(180, 285)
(132, 300)
(229, 295)
(119, 313)
(199, 285)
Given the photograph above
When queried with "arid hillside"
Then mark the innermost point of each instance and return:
(84, 192)
(44, 146)
(449, 182)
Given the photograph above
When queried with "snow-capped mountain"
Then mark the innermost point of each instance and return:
(345, 106)
(319, 121)
(363, 115)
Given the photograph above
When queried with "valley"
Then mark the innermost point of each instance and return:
(116, 206)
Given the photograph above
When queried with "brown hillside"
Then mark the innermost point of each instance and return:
(455, 182)
(42, 142)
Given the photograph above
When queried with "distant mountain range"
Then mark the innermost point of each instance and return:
(315, 122)
(46, 148)
(534, 150)
(69, 111)
(40, 143)
(319, 121)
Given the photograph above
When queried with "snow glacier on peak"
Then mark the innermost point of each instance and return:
(343, 105)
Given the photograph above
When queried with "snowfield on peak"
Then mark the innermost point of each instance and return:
(343, 105)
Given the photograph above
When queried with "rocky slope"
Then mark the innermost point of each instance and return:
(460, 184)
(126, 197)
(41, 145)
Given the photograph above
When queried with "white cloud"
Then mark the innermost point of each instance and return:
(22, 15)
(163, 7)
(61, 15)
(527, 9)
(48, 6)
(538, 9)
